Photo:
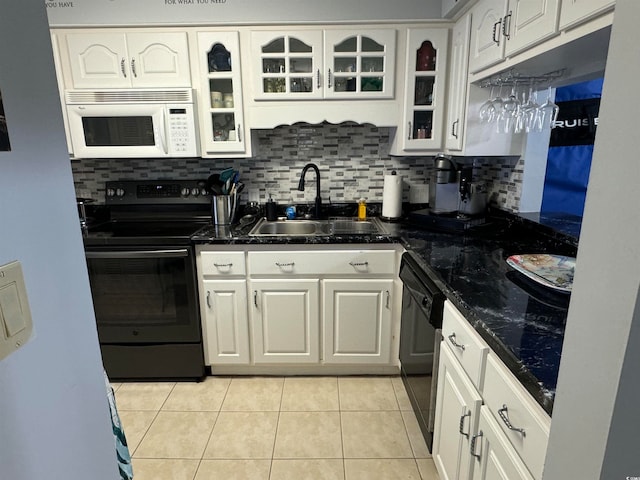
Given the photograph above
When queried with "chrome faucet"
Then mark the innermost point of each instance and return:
(318, 208)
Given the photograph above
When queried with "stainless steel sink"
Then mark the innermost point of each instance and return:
(333, 226)
(291, 228)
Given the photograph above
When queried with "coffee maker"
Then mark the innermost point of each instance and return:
(444, 187)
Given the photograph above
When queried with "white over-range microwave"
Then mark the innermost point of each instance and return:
(131, 123)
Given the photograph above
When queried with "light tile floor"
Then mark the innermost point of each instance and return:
(274, 428)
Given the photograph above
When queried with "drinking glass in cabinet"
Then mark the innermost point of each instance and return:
(345, 84)
(345, 64)
(221, 89)
(300, 84)
(274, 85)
(426, 57)
(372, 64)
(273, 65)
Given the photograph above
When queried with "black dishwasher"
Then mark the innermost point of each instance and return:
(420, 335)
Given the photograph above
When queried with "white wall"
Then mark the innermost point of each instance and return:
(211, 12)
(594, 432)
(54, 419)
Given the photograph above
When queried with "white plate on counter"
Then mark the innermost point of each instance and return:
(553, 271)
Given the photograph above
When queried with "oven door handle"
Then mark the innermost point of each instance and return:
(182, 252)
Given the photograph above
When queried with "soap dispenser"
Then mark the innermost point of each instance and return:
(271, 210)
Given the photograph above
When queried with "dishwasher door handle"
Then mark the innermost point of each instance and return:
(182, 252)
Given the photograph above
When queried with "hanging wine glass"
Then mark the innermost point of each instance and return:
(483, 113)
(529, 111)
(496, 106)
(547, 113)
(510, 109)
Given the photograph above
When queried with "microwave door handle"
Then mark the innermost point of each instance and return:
(161, 131)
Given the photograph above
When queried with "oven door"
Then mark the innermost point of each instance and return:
(144, 295)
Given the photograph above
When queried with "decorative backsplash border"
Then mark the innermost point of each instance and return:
(353, 160)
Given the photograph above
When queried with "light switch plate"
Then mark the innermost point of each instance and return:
(15, 316)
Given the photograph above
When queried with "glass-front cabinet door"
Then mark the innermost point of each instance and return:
(424, 89)
(359, 64)
(221, 112)
(287, 66)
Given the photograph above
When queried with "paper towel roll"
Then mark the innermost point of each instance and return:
(392, 197)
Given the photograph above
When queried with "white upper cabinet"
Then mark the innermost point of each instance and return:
(125, 60)
(287, 65)
(574, 12)
(458, 79)
(221, 110)
(502, 28)
(359, 65)
(330, 64)
(421, 127)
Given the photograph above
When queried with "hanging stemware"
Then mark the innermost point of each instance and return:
(529, 111)
(547, 113)
(510, 110)
(483, 113)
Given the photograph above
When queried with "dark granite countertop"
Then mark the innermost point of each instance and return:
(522, 322)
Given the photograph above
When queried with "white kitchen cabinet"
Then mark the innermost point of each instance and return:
(329, 64)
(221, 112)
(111, 59)
(574, 12)
(226, 332)
(357, 320)
(507, 436)
(502, 28)
(421, 128)
(223, 306)
(285, 320)
(458, 80)
(493, 456)
(457, 412)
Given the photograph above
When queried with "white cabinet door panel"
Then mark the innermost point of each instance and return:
(574, 12)
(159, 59)
(285, 321)
(98, 60)
(357, 321)
(225, 323)
(487, 42)
(529, 22)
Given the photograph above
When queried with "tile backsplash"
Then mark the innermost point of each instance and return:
(353, 160)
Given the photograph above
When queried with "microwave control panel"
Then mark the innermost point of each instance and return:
(181, 130)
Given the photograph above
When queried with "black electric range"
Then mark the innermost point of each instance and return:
(142, 273)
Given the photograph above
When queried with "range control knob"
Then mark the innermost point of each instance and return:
(203, 191)
(110, 192)
(120, 192)
(195, 192)
(184, 192)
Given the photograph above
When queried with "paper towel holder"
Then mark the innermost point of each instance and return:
(392, 200)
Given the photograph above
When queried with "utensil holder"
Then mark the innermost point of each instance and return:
(223, 209)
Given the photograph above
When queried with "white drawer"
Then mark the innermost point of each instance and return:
(470, 350)
(223, 264)
(334, 262)
(502, 390)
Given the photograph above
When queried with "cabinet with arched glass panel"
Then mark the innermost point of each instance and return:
(424, 97)
(221, 110)
(316, 64)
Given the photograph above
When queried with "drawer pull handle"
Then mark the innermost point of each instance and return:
(209, 299)
(472, 448)
(388, 299)
(223, 265)
(283, 265)
(503, 415)
(255, 298)
(462, 417)
(359, 264)
(452, 339)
